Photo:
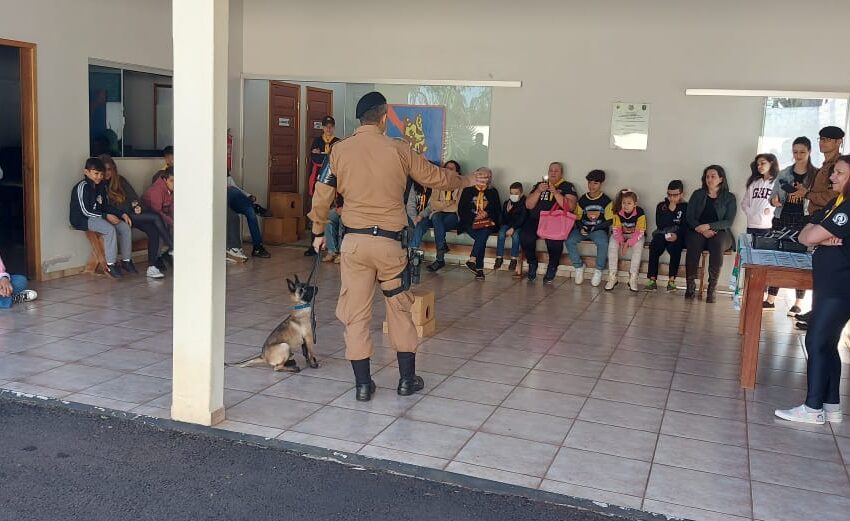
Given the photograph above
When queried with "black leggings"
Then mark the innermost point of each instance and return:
(829, 315)
(658, 245)
(801, 293)
(716, 246)
(528, 241)
(152, 226)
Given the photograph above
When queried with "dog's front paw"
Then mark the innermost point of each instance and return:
(313, 363)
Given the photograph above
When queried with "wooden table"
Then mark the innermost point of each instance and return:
(757, 277)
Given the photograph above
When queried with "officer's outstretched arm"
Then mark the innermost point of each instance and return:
(323, 195)
(426, 174)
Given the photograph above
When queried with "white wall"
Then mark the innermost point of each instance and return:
(256, 131)
(574, 59)
(127, 31)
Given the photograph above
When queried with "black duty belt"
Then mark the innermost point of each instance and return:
(376, 232)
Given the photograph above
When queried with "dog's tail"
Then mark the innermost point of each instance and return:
(248, 362)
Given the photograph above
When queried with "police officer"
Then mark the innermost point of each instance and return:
(371, 172)
(829, 233)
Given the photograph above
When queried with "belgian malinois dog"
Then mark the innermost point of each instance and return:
(295, 330)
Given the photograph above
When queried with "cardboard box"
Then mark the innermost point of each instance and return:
(427, 329)
(277, 230)
(423, 308)
(286, 204)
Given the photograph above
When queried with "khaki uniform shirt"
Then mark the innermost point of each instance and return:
(371, 174)
(821, 191)
(444, 201)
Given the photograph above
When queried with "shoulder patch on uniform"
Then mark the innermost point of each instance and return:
(840, 219)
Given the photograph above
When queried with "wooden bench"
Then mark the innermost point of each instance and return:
(97, 259)
(461, 245)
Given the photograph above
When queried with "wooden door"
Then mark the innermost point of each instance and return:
(320, 103)
(284, 150)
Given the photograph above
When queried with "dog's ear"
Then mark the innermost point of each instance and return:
(296, 279)
(291, 285)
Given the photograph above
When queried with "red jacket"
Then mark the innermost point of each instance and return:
(161, 200)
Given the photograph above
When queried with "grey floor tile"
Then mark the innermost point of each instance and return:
(35, 390)
(594, 494)
(439, 364)
(455, 413)
(642, 359)
(320, 441)
(488, 393)
(307, 389)
(705, 456)
(587, 352)
(123, 359)
(777, 502)
(622, 415)
(797, 472)
(569, 365)
(401, 456)
(507, 356)
(602, 471)
(710, 369)
(271, 411)
(105, 317)
(637, 375)
(630, 393)
(387, 378)
(17, 341)
(615, 441)
(75, 378)
(133, 388)
(67, 350)
(704, 385)
(384, 401)
(344, 424)
(248, 428)
(14, 367)
(113, 336)
(559, 383)
(509, 454)
(100, 401)
(62, 328)
(794, 442)
(706, 405)
(493, 474)
(683, 512)
(544, 402)
(543, 428)
(429, 439)
(705, 428)
(441, 346)
(503, 374)
(252, 379)
(701, 490)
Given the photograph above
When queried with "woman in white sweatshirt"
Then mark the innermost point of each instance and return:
(756, 203)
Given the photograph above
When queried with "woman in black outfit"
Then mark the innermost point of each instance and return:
(829, 233)
(479, 211)
(711, 212)
(122, 195)
(554, 189)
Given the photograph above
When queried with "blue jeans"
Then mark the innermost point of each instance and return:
(443, 222)
(479, 246)
(332, 231)
(19, 283)
(419, 231)
(599, 238)
(240, 203)
(500, 243)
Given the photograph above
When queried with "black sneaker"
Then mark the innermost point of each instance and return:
(804, 317)
(167, 257)
(479, 274)
(260, 252)
(802, 326)
(794, 311)
(767, 305)
(262, 212)
(437, 265)
(310, 252)
(499, 262)
(532, 272)
(160, 264)
(512, 265)
(113, 271)
(470, 265)
(128, 266)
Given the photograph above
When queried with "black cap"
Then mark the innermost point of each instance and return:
(832, 132)
(596, 175)
(368, 102)
(328, 120)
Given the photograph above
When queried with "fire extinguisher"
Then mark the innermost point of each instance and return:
(229, 151)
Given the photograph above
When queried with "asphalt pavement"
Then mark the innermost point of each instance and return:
(61, 464)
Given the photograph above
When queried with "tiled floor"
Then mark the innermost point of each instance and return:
(626, 398)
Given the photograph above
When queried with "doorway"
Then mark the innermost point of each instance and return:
(284, 113)
(19, 232)
(320, 103)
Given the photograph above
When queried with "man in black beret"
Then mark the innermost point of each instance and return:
(821, 192)
(371, 171)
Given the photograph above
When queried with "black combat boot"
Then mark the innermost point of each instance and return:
(691, 290)
(711, 294)
(408, 382)
(362, 377)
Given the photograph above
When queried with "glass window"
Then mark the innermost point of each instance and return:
(788, 118)
(130, 112)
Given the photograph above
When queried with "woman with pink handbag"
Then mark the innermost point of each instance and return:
(551, 204)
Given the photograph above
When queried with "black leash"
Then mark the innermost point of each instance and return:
(313, 272)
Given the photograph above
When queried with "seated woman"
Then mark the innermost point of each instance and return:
(122, 196)
(711, 212)
(554, 189)
(159, 198)
(829, 233)
(444, 217)
(13, 288)
(479, 210)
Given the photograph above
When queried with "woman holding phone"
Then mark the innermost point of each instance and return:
(552, 190)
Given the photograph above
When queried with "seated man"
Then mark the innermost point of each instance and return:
(242, 202)
(13, 288)
(332, 231)
(234, 238)
(418, 213)
(168, 157)
(91, 211)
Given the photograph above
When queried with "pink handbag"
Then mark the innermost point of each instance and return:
(555, 224)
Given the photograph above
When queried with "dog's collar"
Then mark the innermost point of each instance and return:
(301, 306)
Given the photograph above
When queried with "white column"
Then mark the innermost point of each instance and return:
(200, 30)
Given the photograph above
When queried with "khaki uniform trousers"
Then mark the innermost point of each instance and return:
(365, 260)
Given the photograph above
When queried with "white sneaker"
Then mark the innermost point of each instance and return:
(27, 295)
(633, 286)
(832, 413)
(579, 275)
(154, 273)
(597, 278)
(801, 414)
(612, 281)
(237, 255)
